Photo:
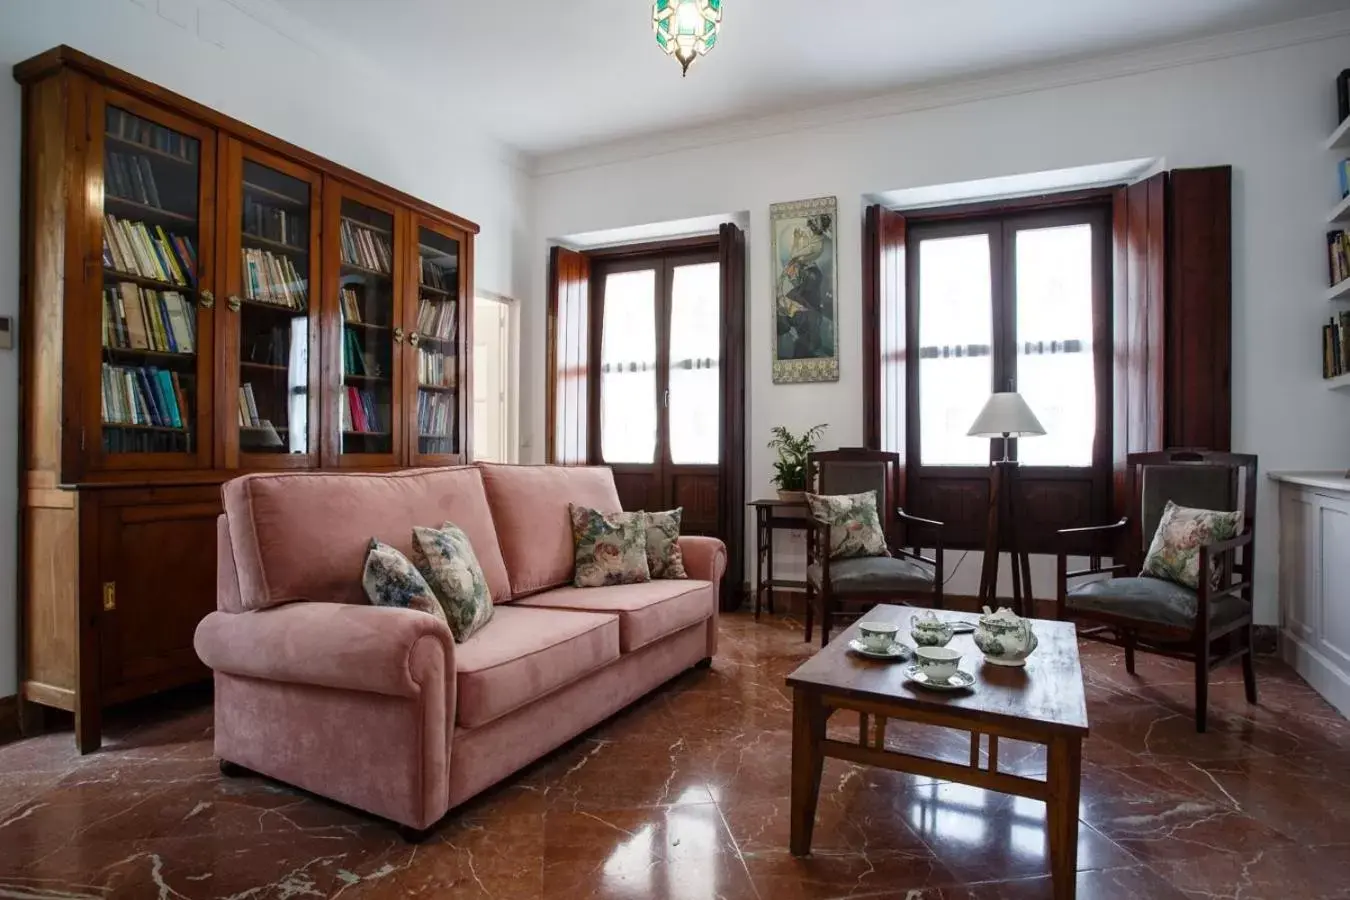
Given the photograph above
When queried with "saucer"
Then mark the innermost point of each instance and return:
(962, 627)
(958, 682)
(897, 650)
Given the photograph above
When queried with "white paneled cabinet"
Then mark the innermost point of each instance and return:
(1315, 582)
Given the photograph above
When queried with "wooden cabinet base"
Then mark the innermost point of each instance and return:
(116, 582)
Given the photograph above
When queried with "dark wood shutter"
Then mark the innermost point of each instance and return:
(568, 352)
(1199, 309)
(1140, 236)
(731, 252)
(884, 283)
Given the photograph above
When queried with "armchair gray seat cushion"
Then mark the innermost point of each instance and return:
(874, 575)
(1153, 600)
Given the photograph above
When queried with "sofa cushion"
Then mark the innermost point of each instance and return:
(647, 612)
(664, 557)
(529, 507)
(447, 562)
(303, 535)
(524, 654)
(611, 548)
(391, 579)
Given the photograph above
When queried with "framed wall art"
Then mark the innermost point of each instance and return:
(805, 285)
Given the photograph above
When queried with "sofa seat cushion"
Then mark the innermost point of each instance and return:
(524, 654)
(647, 612)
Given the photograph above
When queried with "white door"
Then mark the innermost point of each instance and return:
(491, 381)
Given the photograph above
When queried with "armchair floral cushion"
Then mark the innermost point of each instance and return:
(1175, 552)
(855, 526)
(611, 548)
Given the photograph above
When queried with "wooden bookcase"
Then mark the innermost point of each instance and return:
(200, 299)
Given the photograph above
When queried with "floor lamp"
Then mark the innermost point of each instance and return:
(1005, 416)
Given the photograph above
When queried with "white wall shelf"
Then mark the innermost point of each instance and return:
(1340, 213)
(1339, 383)
(1340, 137)
(1340, 292)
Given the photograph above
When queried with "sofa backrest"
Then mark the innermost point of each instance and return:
(304, 535)
(529, 506)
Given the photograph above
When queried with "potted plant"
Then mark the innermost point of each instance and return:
(790, 467)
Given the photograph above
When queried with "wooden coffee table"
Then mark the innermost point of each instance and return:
(1042, 703)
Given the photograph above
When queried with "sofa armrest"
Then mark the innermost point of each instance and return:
(377, 650)
(705, 558)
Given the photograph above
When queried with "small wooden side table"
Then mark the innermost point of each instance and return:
(771, 515)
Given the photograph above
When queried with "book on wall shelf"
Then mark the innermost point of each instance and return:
(351, 306)
(1336, 346)
(131, 129)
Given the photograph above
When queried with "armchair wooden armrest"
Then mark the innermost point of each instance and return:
(1096, 568)
(929, 525)
(1093, 529)
(1206, 592)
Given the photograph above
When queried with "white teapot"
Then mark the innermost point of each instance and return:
(1004, 638)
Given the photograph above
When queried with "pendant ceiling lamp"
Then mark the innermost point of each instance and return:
(686, 29)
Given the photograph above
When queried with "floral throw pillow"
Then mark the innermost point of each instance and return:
(855, 526)
(390, 579)
(1175, 552)
(664, 557)
(611, 548)
(446, 559)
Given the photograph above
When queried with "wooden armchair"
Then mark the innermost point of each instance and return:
(1209, 626)
(903, 575)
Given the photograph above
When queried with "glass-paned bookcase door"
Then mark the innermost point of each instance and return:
(274, 312)
(436, 340)
(152, 333)
(366, 303)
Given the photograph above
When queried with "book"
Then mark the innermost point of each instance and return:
(133, 129)
(134, 249)
(351, 306)
(365, 247)
(274, 223)
(273, 278)
(438, 318)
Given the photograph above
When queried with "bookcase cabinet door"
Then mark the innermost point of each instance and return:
(439, 319)
(268, 341)
(156, 580)
(364, 239)
(152, 305)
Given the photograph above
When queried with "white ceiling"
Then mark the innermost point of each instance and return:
(550, 75)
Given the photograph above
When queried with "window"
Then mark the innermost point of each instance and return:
(1010, 303)
(660, 359)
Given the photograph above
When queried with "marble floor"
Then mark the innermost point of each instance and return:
(686, 796)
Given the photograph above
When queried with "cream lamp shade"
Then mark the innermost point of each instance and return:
(1006, 415)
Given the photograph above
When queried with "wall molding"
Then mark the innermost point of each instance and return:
(935, 95)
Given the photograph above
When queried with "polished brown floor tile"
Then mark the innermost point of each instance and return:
(686, 796)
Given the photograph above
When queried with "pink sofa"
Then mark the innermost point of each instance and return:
(379, 708)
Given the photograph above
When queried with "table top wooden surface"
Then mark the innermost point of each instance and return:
(777, 503)
(1046, 694)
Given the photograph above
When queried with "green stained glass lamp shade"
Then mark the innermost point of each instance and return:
(686, 29)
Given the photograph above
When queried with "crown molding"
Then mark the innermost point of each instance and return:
(952, 93)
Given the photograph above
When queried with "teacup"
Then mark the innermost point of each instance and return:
(878, 637)
(938, 664)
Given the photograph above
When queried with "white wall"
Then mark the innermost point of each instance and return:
(250, 60)
(1262, 102)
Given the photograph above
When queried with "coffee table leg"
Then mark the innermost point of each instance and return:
(1063, 779)
(808, 733)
